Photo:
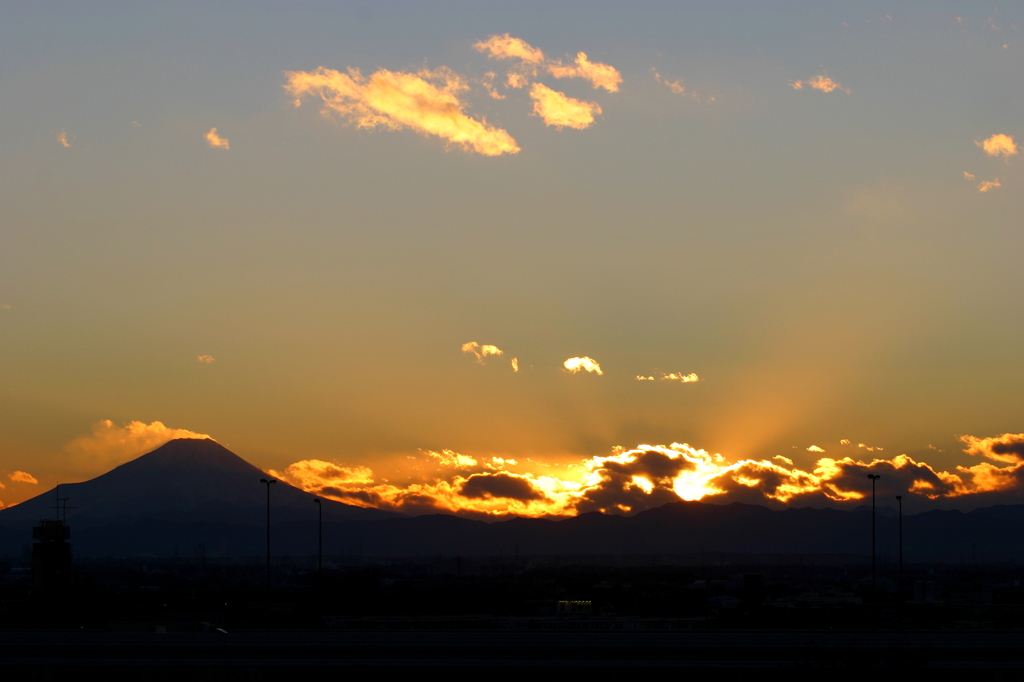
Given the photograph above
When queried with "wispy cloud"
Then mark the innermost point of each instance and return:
(675, 86)
(488, 84)
(109, 444)
(515, 364)
(22, 477)
(480, 351)
(680, 377)
(600, 75)
(507, 47)
(450, 458)
(533, 62)
(559, 110)
(427, 101)
(678, 88)
(206, 359)
(822, 83)
(5, 306)
(999, 145)
(583, 364)
(986, 185)
(674, 376)
(216, 141)
(968, 176)
(62, 138)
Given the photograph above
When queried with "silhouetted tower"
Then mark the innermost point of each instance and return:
(873, 477)
(51, 557)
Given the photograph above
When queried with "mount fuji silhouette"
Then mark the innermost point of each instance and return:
(187, 479)
(186, 492)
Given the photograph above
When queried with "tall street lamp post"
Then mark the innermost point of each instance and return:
(268, 482)
(899, 498)
(320, 540)
(873, 477)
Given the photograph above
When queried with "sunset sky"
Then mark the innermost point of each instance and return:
(473, 256)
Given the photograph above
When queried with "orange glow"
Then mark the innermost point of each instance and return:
(427, 102)
(649, 476)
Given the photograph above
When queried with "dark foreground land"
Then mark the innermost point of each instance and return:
(257, 655)
(210, 619)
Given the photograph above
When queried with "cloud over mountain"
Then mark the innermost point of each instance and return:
(109, 445)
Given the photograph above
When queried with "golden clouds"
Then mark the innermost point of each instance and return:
(507, 47)
(599, 75)
(463, 485)
(427, 102)
(1008, 447)
(999, 145)
(62, 139)
(515, 364)
(814, 448)
(108, 445)
(435, 102)
(984, 185)
(583, 364)
(22, 477)
(533, 62)
(316, 473)
(482, 351)
(674, 376)
(206, 359)
(450, 458)
(559, 110)
(680, 377)
(821, 83)
(216, 141)
(648, 476)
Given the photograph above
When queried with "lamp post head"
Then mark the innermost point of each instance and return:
(899, 497)
(874, 477)
(268, 482)
(316, 500)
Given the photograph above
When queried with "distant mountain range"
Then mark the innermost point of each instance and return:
(194, 495)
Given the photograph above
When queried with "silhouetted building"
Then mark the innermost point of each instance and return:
(51, 557)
